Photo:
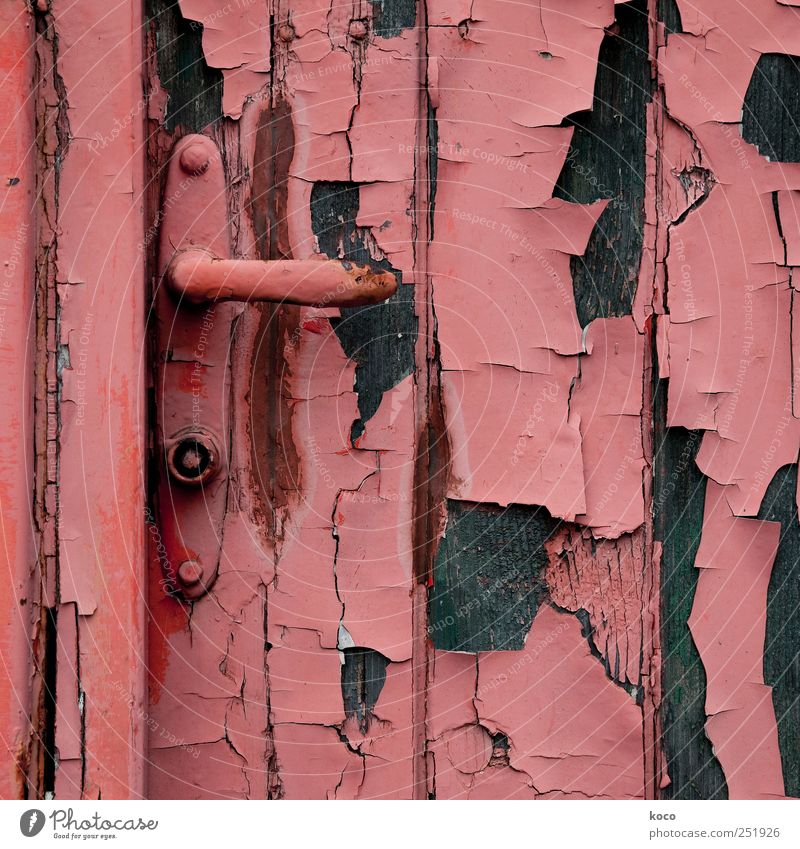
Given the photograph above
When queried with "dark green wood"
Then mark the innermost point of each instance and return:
(782, 648)
(606, 161)
(771, 114)
(669, 15)
(391, 17)
(487, 578)
(380, 338)
(363, 677)
(194, 89)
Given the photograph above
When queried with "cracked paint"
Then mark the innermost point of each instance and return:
(21, 415)
(728, 236)
(540, 411)
(89, 401)
(488, 371)
(570, 731)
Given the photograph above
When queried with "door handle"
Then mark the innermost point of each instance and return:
(200, 276)
(195, 316)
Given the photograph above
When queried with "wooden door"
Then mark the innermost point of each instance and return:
(526, 529)
(299, 675)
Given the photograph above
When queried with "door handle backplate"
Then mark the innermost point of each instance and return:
(198, 283)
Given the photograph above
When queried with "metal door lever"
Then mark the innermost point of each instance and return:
(195, 326)
(199, 276)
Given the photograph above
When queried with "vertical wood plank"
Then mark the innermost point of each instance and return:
(536, 324)
(93, 204)
(350, 194)
(291, 679)
(729, 435)
(17, 330)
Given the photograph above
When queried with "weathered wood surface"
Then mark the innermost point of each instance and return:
(527, 485)
(727, 350)
(88, 595)
(17, 296)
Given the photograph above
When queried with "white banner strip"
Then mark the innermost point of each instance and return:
(288, 825)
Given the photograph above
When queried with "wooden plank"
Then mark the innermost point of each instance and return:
(90, 267)
(17, 556)
(769, 121)
(208, 709)
(301, 683)
(501, 278)
(352, 507)
(737, 427)
(678, 498)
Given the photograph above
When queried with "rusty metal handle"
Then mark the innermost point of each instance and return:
(199, 276)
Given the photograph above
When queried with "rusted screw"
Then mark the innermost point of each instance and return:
(190, 573)
(286, 32)
(193, 456)
(358, 29)
(194, 159)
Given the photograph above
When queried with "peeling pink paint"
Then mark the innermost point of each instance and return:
(729, 627)
(245, 689)
(532, 455)
(726, 344)
(235, 40)
(571, 732)
(606, 402)
(500, 260)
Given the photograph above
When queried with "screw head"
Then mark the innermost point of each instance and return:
(194, 159)
(190, 573)
(358, 29)
(286, 32)
(193, 456)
